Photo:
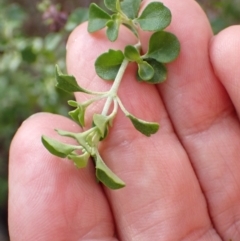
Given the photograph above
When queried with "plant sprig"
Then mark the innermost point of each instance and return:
(163, 48)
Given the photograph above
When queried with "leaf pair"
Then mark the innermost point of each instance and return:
(68, 83)
(145, 70)
(128, 7)
(99, 19)
(154, 17)
(122, 11)
(163, 48)
(78, 114)
(66, 151)
(103, 173)
(149, 70)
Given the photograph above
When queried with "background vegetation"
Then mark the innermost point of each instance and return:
(30, 48)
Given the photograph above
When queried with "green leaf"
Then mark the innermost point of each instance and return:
(131, 8)
(57, 148)
(145, 70)
(80, 160)
(146, 128)
(78, 115)
(98, 18)
(79, 137)
(111, 4)
(154, 17)
(67, 133)
(113, 28)
(108, 64)
(68, 83)
(106, 176)
(163, 47)
(132, 54)
(73, 103)
(101, 122)
(160, 72)
(74, 115)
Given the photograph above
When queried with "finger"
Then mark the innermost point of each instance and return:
(49, 199)
(225, 58)
(205, 121)
(162, 192)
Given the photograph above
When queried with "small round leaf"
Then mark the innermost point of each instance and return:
(160, 72)
(145, 127)
(111, 4)
(145, 70)
(113, 28)
(108, 64)
(97, 18)
(132, 54)
(131, 8)
(154, 17)
(163, 47)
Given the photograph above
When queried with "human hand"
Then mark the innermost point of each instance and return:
(183, 183)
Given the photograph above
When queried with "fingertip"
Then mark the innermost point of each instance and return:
(224, 52)
(28, 158)
(225, 58)
(55, 199)
(35, 126)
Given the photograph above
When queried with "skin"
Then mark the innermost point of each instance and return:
(183, 183)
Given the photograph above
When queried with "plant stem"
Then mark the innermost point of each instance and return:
(122, 107)
(90, 101)
(114, 89)
(115, 86)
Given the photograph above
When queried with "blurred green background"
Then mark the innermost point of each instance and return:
(30, 48)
